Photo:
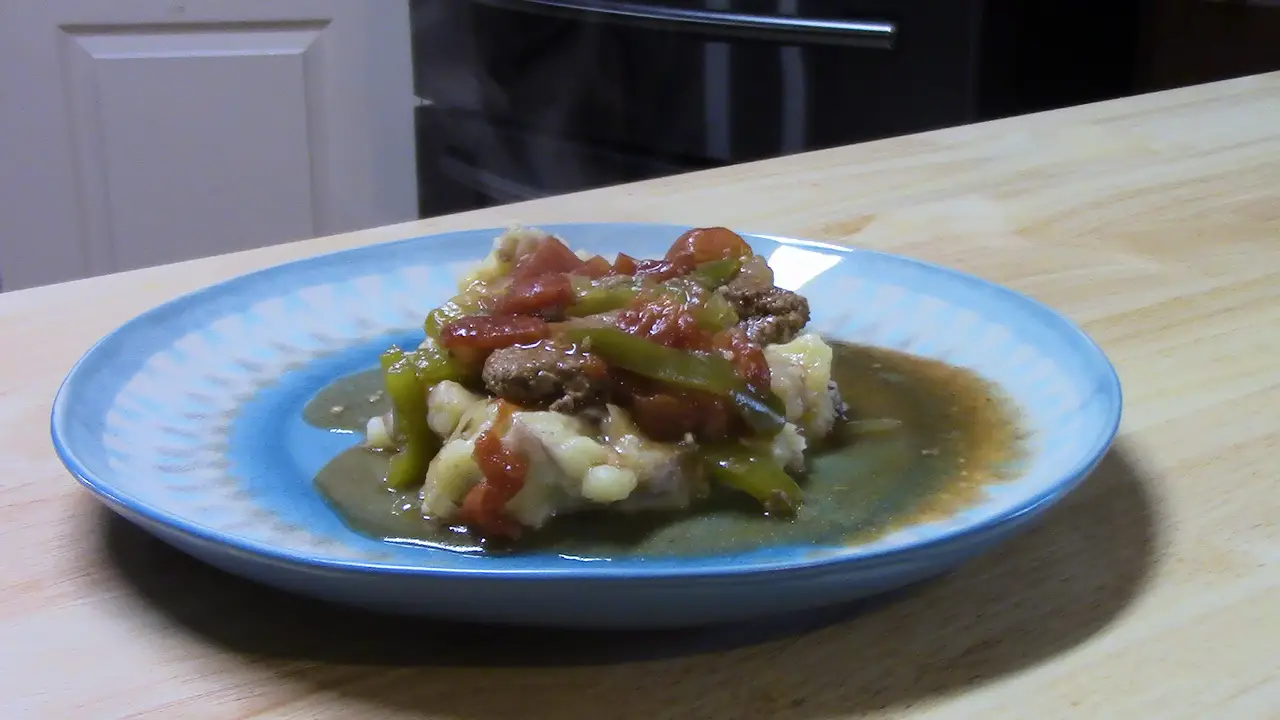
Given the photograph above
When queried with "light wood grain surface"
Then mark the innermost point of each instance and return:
(1153, 591)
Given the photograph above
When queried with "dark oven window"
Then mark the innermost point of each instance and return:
(535, 97)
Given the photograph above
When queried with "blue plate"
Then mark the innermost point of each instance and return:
(187, 421)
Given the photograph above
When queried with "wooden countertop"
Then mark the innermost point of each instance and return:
(1153, 591)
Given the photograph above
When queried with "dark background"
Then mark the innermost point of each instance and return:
(523, 100)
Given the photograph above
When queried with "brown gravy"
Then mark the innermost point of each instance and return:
(922, 440)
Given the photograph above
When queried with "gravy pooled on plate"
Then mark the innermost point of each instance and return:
(919, 439)
(566, 401)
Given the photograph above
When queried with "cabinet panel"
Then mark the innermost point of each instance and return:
(142, 132)
(179, 131)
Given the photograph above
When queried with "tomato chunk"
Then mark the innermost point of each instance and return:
(624, 265)
(659, 269)
(504, 470)
(702, 245)
(596, 267)
(664, 321)
(473, 337)
(483, 510)
(668, 414)
(538, 295)
(748, 357)
(551, 256)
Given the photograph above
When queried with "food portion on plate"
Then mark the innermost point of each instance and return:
(665, 495)
(558, 381)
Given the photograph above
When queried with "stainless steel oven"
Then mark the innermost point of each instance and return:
(524, 98)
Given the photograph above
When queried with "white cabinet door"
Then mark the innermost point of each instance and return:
(140, 132)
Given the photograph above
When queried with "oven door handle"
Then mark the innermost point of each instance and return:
(782, 29)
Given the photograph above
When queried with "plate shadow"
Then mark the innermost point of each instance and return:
(1046, 591)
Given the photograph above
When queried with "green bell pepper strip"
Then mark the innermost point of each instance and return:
(712, 311)
(716, 273)
(756, 473)
(708, 373)
(593, 299)
(389, 358)
(765, 416)
(435, 365)
(709, 308)
(408, 467)
(460, 305)
(408, 396)
(716, 313)
(441, 316)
